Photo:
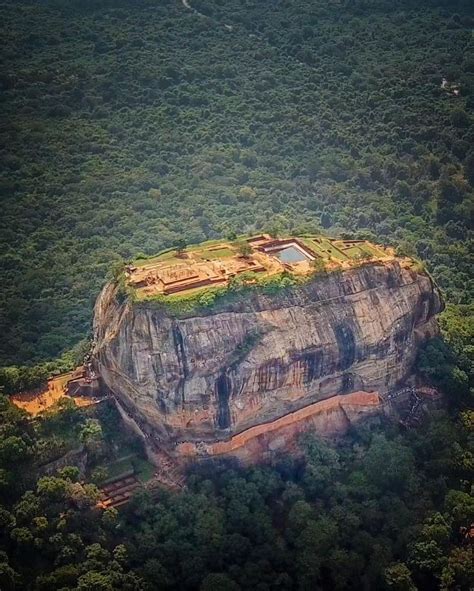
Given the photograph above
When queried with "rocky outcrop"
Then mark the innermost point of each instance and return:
(209, 377)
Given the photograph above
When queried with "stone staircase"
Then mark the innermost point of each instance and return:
(118, 492)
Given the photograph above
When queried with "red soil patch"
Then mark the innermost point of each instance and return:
(37, 401)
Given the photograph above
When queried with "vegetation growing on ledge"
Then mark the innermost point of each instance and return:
(197, 277)
(330, 259)
(213, 297)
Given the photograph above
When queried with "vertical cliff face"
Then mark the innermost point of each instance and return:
(208, 377)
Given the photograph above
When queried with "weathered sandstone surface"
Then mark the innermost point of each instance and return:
(204, 379)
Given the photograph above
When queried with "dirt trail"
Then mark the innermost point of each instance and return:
(187, 5)
(255, 35)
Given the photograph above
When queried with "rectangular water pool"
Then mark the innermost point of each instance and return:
(291, 254)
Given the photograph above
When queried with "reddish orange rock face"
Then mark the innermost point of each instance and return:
(328, 417)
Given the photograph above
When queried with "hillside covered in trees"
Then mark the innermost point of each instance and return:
(128, 126)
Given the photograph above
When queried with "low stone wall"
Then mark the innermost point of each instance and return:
(75, 457)
(187, 285)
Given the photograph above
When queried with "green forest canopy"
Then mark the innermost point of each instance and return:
(383, 511)
(130, 125)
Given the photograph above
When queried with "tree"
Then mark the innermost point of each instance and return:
(438, 363)
(326, 219)
(469, 168)
(434, 167)
(110, 518)
(99, 474)
(389, 465)
(218, 582)
(91, 435)
(448, 193)
(314, 542)
(180, 246)
(63, 577)
(22, 536)
(243, 248)
(318, 265)
(459, 571)
(155, 572)
(398, 577)
(120, 554)
(300, 513)
(247, 193)
(95, 581)
(154, 193)
(427, 561)
(52, 488)
(13, 451)
(460, 507)
(83, 495)
(322, 466)
(230, 235)
(9, 579)
(459, 118)
(402, 189)
(438, 529)
(406, 249)
(69, 473)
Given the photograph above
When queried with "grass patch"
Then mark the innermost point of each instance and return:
(218, 253)
(143, 469)
(323, 248)
(126, 466)
(333, 251)
(353, 252)
(204, 245)
(62, 421)
(169, 256)
(201, 300)
(372, 250)
(120, 467)
(203, 250)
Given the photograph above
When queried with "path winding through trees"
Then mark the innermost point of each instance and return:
(258, 36)
(189, 7)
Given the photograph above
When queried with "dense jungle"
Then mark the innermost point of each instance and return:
(128, 126)
(131, 126)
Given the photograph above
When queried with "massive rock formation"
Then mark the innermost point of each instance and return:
(191, 382)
